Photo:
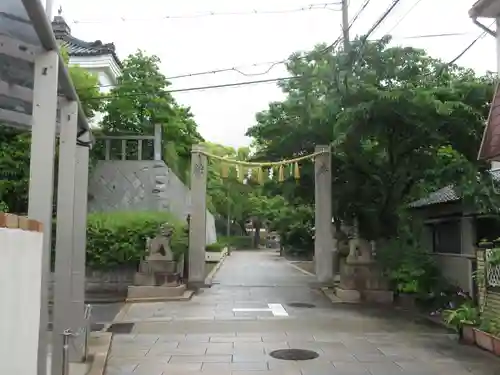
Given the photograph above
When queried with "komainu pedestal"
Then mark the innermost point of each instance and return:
(360, 276)
(159, 274)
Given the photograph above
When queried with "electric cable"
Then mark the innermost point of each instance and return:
(237, 69)
(305, 8)
(404, 16)
(271, 80)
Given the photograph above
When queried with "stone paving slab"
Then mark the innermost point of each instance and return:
(205, 337)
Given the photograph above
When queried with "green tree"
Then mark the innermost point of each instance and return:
(140, 100)
(390, 113)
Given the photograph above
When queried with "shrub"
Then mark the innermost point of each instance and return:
(409, 267)
(119, 238)
(237, 242)
(216, 247)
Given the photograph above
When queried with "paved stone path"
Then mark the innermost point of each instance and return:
(206, 337)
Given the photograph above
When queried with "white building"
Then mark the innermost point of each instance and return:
(95, 57)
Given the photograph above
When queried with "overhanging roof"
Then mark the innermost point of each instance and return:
(490, 145)
(485, 9)
(448, 194)
(25, 31)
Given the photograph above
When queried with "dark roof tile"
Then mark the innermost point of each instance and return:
(445, 195)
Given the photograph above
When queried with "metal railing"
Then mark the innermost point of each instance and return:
(130, 147)
(68, 334)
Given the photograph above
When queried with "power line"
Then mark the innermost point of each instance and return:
(272, 64)
(373, 28)
(236, 69)
(305, 8)
(381, 19)
(481, 36)
(404, 16)
(271, 80)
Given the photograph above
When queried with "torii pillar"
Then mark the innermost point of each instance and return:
(198, 227)
(323, 239)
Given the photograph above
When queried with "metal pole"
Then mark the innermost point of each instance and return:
(65, 352)
(345, 24)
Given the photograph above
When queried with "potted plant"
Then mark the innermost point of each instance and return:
(485, 244)
(215, 252)
(483, 339)
(496, 242)
(463, 319)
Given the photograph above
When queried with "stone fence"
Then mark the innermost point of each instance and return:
(105, 282)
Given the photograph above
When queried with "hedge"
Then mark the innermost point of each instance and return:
(238, 242)
(216, 247)
(119, 238)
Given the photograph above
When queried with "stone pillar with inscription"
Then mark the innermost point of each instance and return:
(323, 239)
(197, 228)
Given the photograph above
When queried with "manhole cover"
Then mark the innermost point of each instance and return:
(302, 305)
(294, 354)
(121, 328)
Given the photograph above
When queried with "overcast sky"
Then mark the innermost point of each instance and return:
(188, 42)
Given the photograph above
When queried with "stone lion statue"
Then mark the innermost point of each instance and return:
(159, 246)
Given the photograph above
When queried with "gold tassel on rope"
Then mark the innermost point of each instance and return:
(296, 171)
(281, 173)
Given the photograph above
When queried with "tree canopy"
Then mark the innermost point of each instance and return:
(400, 124)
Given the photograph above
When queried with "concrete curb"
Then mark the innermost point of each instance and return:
(100, 345)
(300, 269)
(122, 313)
(211, 275)
(330, 294)
(185, 297)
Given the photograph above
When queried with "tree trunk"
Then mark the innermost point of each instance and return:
(256, 233)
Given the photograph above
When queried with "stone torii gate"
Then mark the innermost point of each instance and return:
(323, 241)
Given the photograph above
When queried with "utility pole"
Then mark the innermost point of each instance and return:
(345, 24)
(49, 7)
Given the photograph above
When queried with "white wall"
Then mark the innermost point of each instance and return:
(20, 288)
(107, 72)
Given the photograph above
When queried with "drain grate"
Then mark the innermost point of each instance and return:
(294, 354)
(302, 305)
(122, 328)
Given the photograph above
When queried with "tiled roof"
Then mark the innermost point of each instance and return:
(445, 195)
(78, 47)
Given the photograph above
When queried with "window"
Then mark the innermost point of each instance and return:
(487, 228)
(446, 237)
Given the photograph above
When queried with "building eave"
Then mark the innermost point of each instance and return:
(485, 9)
(490, 144)
(78, 47)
